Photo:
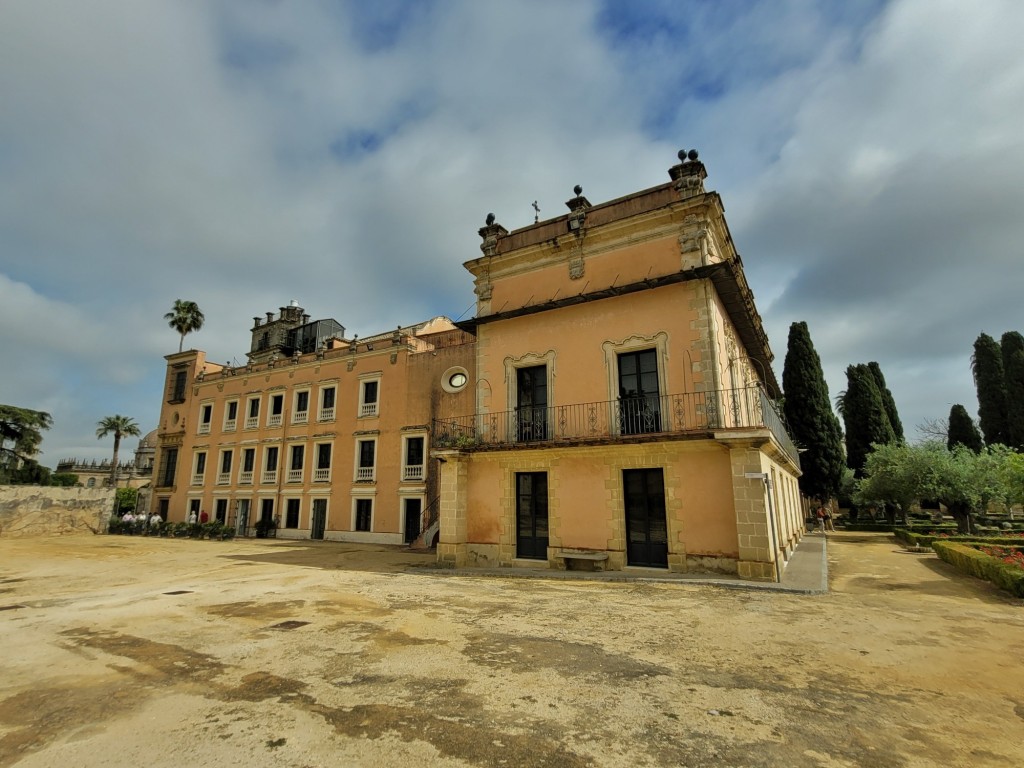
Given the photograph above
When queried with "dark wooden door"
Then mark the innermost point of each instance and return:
(646, 527)
(532, 515)
(413, 510)
(319, 519)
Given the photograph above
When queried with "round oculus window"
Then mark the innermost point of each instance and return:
(457, 380)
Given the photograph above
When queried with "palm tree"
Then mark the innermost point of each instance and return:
(120, 426)
(184, 317)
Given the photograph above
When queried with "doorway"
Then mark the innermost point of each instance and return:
(646, 526)
(532, 403)
(319, 519)
(532, 515)
(413, 519)
(639, 398)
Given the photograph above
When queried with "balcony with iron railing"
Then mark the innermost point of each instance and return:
(628, 419)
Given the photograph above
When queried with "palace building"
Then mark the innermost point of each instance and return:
(624, 414)
(321, 436)
(609, 406)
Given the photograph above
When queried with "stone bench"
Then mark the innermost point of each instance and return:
(596, 559)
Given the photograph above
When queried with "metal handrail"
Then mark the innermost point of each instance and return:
(622, 418)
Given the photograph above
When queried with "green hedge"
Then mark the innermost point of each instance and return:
(925, 540)
(977, 563)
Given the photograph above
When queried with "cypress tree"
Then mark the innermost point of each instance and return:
(1012, 347)
(864, 417)
(962, 430)
(888, 402)
(812, 423)
(987, 367)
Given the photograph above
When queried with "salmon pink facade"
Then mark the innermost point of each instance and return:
(610, 406)
(623, 412)
(317, 436)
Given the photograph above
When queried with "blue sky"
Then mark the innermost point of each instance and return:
(243, 154)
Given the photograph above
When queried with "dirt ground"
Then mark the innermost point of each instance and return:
(121, 651)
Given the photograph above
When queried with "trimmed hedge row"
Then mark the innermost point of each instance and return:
(976, 563)
(925, 539)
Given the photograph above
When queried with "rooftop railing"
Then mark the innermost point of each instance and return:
(626, 418)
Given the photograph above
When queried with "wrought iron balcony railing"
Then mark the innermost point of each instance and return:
(624, 418)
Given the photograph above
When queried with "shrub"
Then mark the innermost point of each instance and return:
(915, 538)
(976, 563)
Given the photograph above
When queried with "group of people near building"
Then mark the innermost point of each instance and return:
(143, 520)
(824, 517)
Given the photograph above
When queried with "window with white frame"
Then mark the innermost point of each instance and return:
(413, 463)
(205, 417)
(298, 454)
(230, 415)
(369, 396)
(248, 465)
(276, 410)
(366, 460)
(270, 464)
(224, 476)
(322, 472)
(252, 411)
(363, 513)
(199, 468)
(327, 397)
(300, 411)
(220, 510)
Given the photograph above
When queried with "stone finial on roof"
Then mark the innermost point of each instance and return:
(689, 174)
(491, 233)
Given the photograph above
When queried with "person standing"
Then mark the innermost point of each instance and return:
(820, 513)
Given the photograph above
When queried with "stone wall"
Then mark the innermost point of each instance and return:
(29, 510)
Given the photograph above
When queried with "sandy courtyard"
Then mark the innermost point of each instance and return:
(124, 651)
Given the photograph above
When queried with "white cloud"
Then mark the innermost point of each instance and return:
(244, 154)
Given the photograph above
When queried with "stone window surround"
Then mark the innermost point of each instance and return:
(635, 343)
(529, 360)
